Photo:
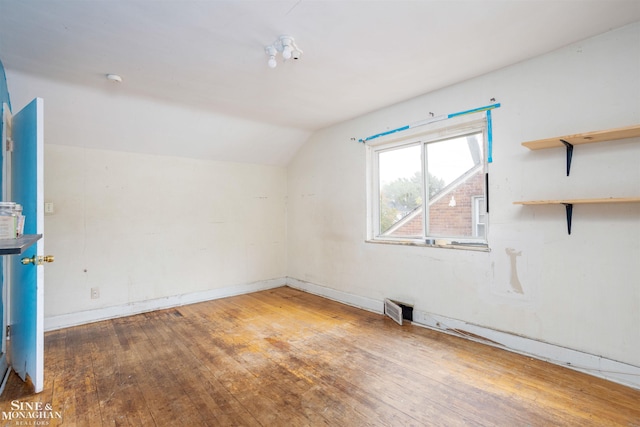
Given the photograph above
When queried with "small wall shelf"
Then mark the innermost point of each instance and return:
(19, 245)
(568, 203)
(569, 141)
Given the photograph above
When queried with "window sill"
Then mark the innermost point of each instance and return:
(477, 247)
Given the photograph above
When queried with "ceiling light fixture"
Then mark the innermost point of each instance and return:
(286, 45)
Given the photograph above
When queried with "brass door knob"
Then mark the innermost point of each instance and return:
(38, 259)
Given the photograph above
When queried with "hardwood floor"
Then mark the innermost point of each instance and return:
(286, 358)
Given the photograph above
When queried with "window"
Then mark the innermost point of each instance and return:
(430, 187)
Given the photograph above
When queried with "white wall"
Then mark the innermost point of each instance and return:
(580, 291)
(146, 227)
(142, 227)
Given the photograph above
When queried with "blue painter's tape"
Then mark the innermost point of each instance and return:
(475, 110)
(489, 138)
(486, 108)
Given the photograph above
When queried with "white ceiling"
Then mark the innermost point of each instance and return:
(359, 55)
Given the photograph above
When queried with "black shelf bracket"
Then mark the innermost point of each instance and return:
(569, 209)
(569, 155)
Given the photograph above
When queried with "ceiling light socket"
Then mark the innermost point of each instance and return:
(114, 78)
(286, 45)
(271, 50)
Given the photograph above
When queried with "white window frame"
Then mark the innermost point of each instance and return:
(477, 201)
(438, 131)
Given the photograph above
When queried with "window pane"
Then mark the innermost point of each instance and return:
(455, 180)
(400, 198)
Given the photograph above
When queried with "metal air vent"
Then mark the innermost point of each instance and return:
(393, 310)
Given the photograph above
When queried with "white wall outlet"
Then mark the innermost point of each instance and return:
(48, 208)
(95, 293)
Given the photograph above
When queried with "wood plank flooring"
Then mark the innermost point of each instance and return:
(287, 358)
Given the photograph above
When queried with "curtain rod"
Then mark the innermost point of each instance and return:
(486, 108)
(430, 120)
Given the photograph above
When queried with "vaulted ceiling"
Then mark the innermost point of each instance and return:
(359, 55)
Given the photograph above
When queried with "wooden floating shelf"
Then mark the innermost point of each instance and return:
(569, 141)
(585, 138)
(580, 201)
(568, 204)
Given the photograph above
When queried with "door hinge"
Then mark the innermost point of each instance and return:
(8, 330)
(7, 119)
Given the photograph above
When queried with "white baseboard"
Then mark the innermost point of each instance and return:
(365, 303)
(96, 315)
(598, 366)
(612, 370)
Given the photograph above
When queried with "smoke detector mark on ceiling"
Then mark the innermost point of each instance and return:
(114, 78)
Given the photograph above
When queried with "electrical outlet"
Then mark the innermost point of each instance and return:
(95, 293)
